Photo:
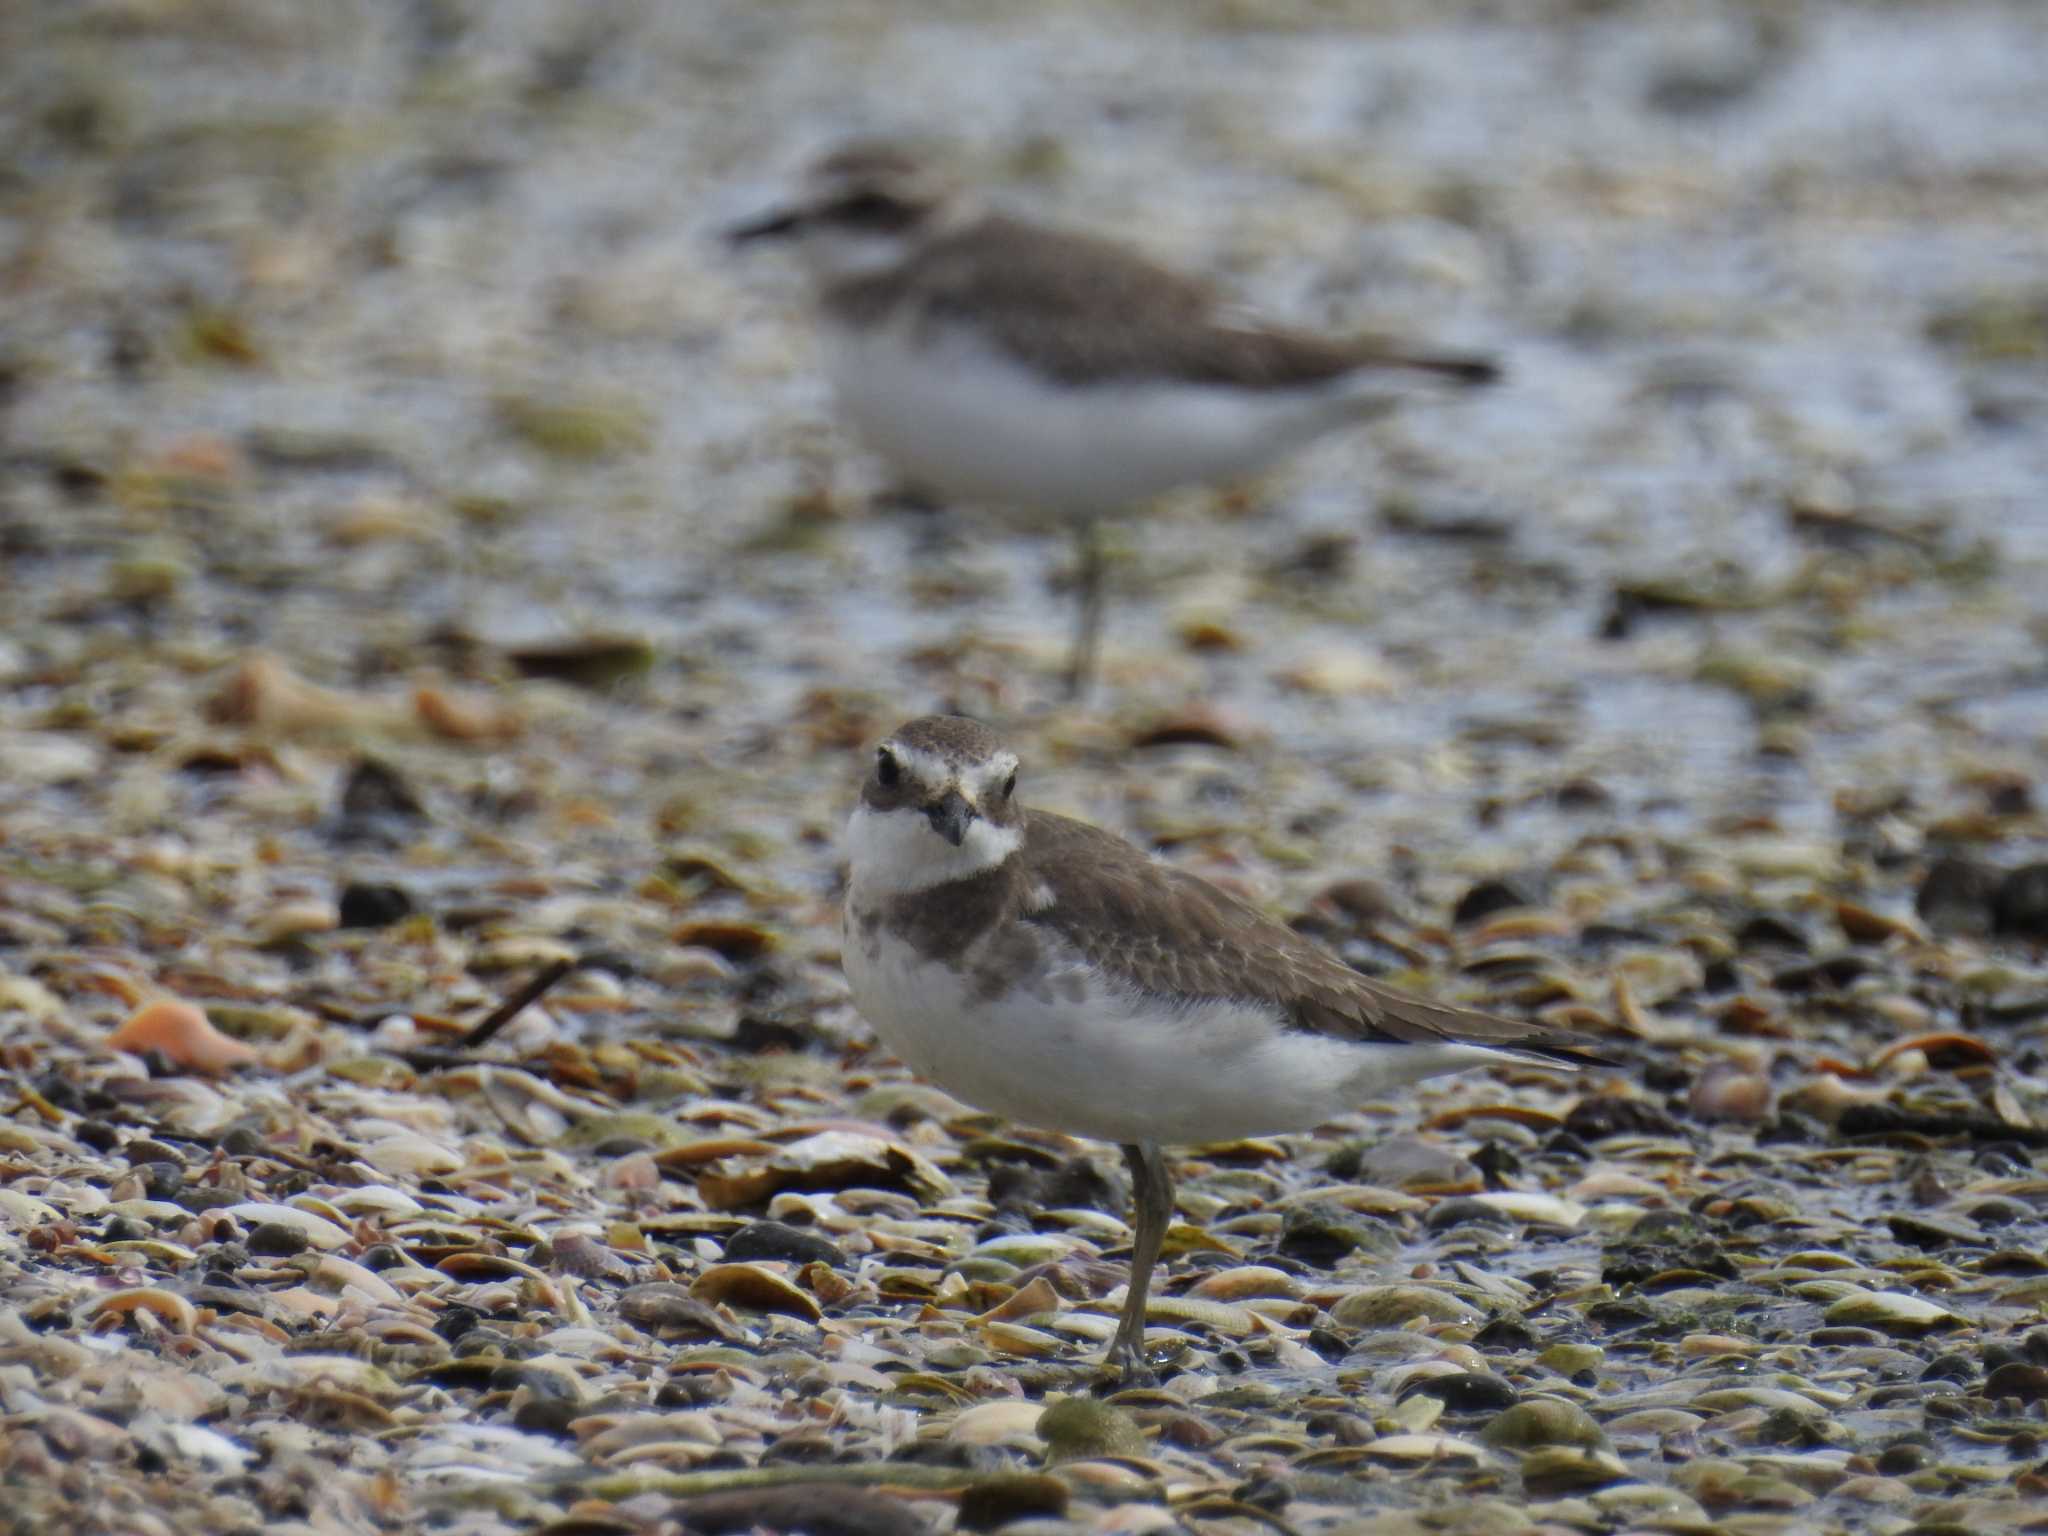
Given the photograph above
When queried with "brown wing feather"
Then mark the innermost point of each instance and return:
(1169, 932)
(1041, 293)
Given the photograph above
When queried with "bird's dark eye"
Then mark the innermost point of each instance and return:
(1010, 784)
(872, 210)
(886, 771)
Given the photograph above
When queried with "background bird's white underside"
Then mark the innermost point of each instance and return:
(1118, 1065)
(964, 419)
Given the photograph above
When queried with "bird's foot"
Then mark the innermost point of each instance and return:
(1127, 1365)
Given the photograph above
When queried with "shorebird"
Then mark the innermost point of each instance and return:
(1052, 973)
(1068, 377)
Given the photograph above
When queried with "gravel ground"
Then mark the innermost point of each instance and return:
(428, 564)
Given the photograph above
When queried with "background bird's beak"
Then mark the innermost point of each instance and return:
(772, 225)
(950, 816)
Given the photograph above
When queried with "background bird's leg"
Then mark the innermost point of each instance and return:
(1151, 1210)
(1088, 576)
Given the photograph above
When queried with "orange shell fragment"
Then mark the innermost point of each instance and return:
(183, 1033)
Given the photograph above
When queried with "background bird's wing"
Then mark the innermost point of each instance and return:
(1091, 311)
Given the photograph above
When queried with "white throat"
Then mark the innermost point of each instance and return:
(894, 853)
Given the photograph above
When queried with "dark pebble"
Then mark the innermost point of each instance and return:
(161, 1181)
(2004, 1160)
(1900, 1460)
(692, 1391)
(987, 1506)
(1950, 1367)
(800, 1450)
(1788, 1129)
(2028, 1383)
(98, 1135)
(495, 1343)
(1084, 1183)
(1597, 1116)
(1080, 1183)
(276, 1239)
(1626, 1315)
(1344, 1428)
(1563, 1144)
(1669, 1227)
(2009, 797)
(1641, 1263)
(1497, 1163)
(950, 1453)
(1827, 975)
(1266, 1491)
(2000, 1211)
(224, 1261)
(1933, 1233)
(1465, 1391)
(1667, 1076)
(370, 904)
(1491, 896)
(1789, 1427)
(2021, 906)
(779, 1240)
(757, 1034)
(548, 1415)
(1505, 1332)
(457, 1320)
(1957, 897)
(1583, 795)
(1767, 932)
(1321, 1234)
(61, 1093)
(1328, 1343)
(375, 791)
(201, 1198)
(1460, 1212)
(242, 1141)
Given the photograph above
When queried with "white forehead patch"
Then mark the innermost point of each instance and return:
(925, 767)
(989, 782)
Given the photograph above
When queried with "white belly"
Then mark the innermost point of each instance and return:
(968, 422)
(1074, 1055)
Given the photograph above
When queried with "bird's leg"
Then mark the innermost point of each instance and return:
(1088, 577)
(1151, 1210)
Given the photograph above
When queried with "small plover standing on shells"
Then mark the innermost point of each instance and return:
(1003, 362)
(1052, 973)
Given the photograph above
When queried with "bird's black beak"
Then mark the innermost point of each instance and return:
(950, 816)
(776, 224)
